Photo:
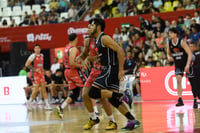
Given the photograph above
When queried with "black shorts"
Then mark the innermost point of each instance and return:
(179, 70)
(108, 78)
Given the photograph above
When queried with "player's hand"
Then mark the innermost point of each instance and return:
(171, 59)
(78, 59)
(187, 69)
(121, 75)
(86, 64)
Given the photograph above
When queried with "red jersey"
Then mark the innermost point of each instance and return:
(66, 56)
(93, 52)
(38, 61)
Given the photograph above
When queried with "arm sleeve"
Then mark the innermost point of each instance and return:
(31, 57)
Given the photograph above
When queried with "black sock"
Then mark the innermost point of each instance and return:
(129, 116)
(116, 95)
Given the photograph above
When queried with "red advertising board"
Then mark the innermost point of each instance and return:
(159, 83)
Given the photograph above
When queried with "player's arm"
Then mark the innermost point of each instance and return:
(29, 61)
(169, 55)
(109, 42)
(85, 51)
(189, 53)
(72, 56)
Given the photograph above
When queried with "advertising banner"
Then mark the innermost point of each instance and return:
(12, 90)
(159, 83)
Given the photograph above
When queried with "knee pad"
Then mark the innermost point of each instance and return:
(115, 102)
(94, 93)
(75, 94)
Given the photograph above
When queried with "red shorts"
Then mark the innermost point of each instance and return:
(75, 78)
(38, 78)
(93, 75)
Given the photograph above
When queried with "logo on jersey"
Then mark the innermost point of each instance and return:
(31, 37)
(77, 30)
(176, 50)
(171, 84)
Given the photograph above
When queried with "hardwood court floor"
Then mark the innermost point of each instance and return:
(155, 116)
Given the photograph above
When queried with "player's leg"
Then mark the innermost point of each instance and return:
(179, 88)
(45, 95)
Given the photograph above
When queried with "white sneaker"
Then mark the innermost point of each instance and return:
(40, 102)
(48, 107)
(34, 102)
(28, 105)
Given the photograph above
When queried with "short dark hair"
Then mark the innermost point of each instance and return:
(36, 45)
(72, 36)
(58, 70)
(174, 30)
(98, 21)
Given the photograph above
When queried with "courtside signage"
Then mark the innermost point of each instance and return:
(159, 83)
(12, 90)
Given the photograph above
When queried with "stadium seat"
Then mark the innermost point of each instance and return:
(3, 3)
(63, 14)
(17, 19)
(37, 8)
(27, 9)
(17, 11)
(7, 11)
(1, 14)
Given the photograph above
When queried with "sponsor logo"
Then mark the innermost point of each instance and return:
(31, 37)
(4, 39)
(171, 84)
(77, 30)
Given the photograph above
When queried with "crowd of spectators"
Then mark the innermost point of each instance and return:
(55, 7)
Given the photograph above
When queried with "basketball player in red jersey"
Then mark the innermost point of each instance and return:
(37, 75)
(73, 74)
(89, 54)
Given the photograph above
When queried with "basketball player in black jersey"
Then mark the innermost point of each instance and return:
(179, 52)
(106, 84)
(194, 75)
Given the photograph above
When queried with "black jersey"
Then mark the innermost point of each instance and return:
(195, 65)
(107, 56)
(178, 53)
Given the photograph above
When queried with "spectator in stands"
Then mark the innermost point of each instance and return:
(180, 7)
(124, 36)
(196, 17)
(157, 4)
(104, 9)
(122, 6)
(53, 5)
(180, 21)
(150, 62)
(44, 20)
(139, 5)
(40, 2)
(134, 12)
(114, 4)
(63, 6)
(11, 3)
(117, 36)
(63, 20)
(55, 66)
(117, 13)
(195, 35)
(168, 7)
(189, 5)
(129, 7)
(29, 2)
(43, 13)
(53, 20)
(13, 24)
(158, 29)
(133, 30)
(34, 15)
(144, 24)
(129, 63)
(52, 13)
(159, 41)
(195, 24)
(144, 10)
(4, 24)
(158, 64)
(187, 20)
(72, 12)
(163, 58)
(167, 26)
(26, 20)
(148, 4)
(33, 21)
